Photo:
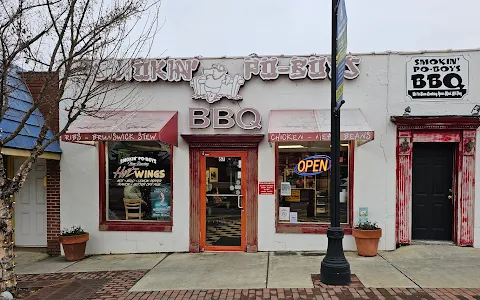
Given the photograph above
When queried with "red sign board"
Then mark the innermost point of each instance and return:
(266, 188)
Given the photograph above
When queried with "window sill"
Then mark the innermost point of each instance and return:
(135, 226)
(309, 228)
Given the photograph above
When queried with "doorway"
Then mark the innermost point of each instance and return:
(223, 201)
(432, 195)
(31, 207)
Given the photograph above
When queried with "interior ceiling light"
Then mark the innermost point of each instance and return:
(290, 146)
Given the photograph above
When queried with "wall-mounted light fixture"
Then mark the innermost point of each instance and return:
(476, 110)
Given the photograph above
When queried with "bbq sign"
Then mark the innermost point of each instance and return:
(437, 77)
(313, 165)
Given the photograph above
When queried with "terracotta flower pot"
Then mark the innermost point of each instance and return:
(367, 241)
(74, 246)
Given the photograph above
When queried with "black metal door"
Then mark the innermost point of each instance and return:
(432, 179)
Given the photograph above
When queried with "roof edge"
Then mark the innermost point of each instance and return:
(386, 52)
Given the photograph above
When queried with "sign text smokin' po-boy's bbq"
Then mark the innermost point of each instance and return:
(437, 77)
(268, 68)
(212, 83)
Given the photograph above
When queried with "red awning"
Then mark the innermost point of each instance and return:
(314, 125)
(126, 126)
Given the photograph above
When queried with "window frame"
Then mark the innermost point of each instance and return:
(318, 228)
(117, 225)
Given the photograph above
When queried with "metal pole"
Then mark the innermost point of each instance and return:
(335, 269)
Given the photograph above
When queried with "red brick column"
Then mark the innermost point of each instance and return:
(53, 207)
(43, 87)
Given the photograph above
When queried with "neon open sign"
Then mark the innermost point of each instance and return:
(313, 165)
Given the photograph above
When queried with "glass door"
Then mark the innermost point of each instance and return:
(223, 203)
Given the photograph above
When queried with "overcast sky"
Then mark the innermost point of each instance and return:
(242, 27)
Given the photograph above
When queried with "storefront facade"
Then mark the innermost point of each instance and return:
(232, 154)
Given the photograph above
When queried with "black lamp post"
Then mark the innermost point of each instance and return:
(335, 269)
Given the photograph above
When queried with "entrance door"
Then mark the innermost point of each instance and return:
(432, 176)
(223, 201)
(31, 208)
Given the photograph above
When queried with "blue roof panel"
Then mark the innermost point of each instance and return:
(19, 102)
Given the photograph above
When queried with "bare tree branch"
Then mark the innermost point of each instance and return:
(68, 41)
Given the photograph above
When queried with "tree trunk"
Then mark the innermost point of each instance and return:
(8, 280)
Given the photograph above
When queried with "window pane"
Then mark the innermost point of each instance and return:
(139, 178)
(310, 195)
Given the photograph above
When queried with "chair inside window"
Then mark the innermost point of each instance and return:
(133, 208)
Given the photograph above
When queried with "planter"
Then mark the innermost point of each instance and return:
(367, 241)
(74, 246)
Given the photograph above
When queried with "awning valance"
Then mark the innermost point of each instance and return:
(314, 125)
(126, 126)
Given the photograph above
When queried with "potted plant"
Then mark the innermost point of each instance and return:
(74, 240)
(367, 235)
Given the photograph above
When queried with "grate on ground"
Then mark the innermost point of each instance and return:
(354, 282)
(78, 289)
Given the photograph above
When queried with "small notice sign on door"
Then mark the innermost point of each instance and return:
(266, 188)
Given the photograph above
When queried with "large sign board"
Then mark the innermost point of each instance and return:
(214, 82)
(437, 77)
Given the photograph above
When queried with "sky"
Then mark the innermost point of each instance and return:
(213, 28)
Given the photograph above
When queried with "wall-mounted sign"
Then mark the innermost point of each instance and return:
(437, 77)
(224, 118)
(266, 188)
(313, 165)
(215, 82)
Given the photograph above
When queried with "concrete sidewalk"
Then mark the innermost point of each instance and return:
(424, 266)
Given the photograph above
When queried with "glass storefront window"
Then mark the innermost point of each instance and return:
(310, 195)
(139, 181)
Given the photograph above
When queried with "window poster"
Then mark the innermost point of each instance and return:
(285, 189)
(138, 171)
(139, 180)
(284, 213)
(160, 198)
(213, 174)
(293, 217)
(294, 196)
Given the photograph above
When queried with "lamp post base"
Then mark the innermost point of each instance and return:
(335, 269)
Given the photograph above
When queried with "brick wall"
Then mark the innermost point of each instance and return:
(53, 206)
(45, 85)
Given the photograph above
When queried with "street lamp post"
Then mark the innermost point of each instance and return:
(335, 269)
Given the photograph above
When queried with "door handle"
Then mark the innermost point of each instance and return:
(239, 201)
(450, 197)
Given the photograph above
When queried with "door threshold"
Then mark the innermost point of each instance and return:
(432, 242)
(223, 251)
